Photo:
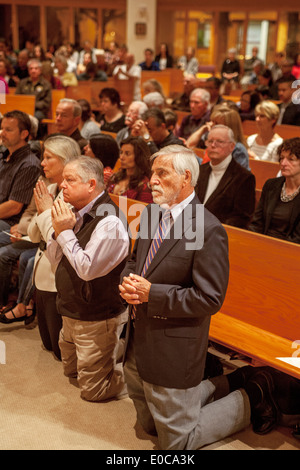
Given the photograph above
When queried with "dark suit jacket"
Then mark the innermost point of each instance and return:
(188, 286)
(269, 198)
(292, 115)
(233, 201)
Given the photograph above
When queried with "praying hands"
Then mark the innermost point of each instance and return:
(63, 218)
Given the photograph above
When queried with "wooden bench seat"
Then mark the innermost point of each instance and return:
(260, 315)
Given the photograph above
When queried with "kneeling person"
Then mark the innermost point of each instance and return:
(89, 246)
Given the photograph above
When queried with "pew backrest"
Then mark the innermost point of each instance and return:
(25, 103)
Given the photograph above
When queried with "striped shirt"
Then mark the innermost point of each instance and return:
(18, 176)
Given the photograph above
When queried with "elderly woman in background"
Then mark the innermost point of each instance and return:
(105, 148)
(57, 150)
(60, 71)
(264, 144)
(132, 180)
(278, 211)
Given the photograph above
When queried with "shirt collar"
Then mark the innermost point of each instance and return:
(221, 166)
(176, 210)
(80, 214)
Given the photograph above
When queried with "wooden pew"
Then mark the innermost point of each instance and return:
(260, 316)
(132, 210)
(171, 80)
(25, 103)
(57, 95)
(284, 130)
(181, 115)
(263, 171)
(90, 91)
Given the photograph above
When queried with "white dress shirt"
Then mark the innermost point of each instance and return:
(107, 247)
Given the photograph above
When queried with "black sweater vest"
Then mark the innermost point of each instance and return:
(99, 298)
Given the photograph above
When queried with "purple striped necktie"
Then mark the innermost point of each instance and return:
(160, 235)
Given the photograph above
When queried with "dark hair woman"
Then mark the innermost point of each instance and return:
(111, 118)
(132, 180)
(278, 211)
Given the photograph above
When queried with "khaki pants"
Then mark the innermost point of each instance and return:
(88, 352)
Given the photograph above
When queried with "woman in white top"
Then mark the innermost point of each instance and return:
(264, 144)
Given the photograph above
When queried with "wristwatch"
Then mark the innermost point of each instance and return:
(146, 136)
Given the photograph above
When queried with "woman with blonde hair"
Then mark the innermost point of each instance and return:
(264, 144)
(223, 114)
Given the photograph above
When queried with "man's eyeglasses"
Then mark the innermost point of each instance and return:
(217, 143)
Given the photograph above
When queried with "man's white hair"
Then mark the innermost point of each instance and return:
(182, 158)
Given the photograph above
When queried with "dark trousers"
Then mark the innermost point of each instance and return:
(49, 320)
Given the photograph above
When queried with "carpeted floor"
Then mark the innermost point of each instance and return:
(41, 410)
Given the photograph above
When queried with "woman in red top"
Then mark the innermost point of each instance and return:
(132, 180)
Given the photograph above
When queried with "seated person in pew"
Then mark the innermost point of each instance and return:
(92, 74)
(87, 125)
(225, 188)
(36, 85)
(171, 119)
(188, 62)
(278, 211)
(289, 108)
(264, 144)
(67, 120)
(200, 113)
(152, 85)
(152, 127)
(111, 118)
(17, 245)
(149, 63)
(249, 100)
(105, 148)
(60, 71)
(213, 86)
(223, 114)
(130, 70)
(181, 102)
(154, 100)
(132, 180)
(19, 170)
(135, 111)
(164, 58)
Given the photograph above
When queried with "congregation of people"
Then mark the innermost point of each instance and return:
(66, 260)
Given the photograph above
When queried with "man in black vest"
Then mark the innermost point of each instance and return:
(89, 246)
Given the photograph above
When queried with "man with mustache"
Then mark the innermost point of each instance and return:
(174, 281)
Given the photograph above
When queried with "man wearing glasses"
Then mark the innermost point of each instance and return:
(226, 188)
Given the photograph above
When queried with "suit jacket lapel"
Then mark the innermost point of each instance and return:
(225, 180)
(180, 226)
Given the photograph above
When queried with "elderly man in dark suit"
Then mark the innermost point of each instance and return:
(225, 188)
(175, 280)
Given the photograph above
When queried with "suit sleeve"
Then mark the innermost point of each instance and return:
(244, 203)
